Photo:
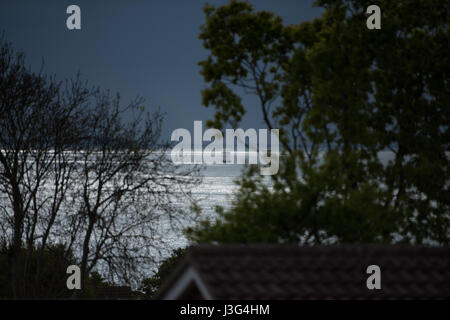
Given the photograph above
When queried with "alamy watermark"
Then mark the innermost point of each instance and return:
(73, 22)
(237, 146)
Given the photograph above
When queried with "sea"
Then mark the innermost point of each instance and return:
(217, 187)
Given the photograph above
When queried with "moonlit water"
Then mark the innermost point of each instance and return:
(217, 188)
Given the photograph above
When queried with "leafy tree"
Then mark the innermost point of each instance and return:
(53, 263)
(93, 282)
(363, 117)
(150, 286)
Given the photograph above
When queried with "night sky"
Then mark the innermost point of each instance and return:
(136, 47)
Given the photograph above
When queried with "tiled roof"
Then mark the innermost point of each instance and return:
(319, 272)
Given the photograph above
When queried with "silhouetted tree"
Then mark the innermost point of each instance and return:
(150, 286)
(73, 171)
(36, 125)
(363, 117)
(128, 191)
(53, 262)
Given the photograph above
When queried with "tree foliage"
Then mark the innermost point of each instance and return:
(150, 286)
(363, 117)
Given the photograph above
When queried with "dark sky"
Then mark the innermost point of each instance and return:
(147, 48)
